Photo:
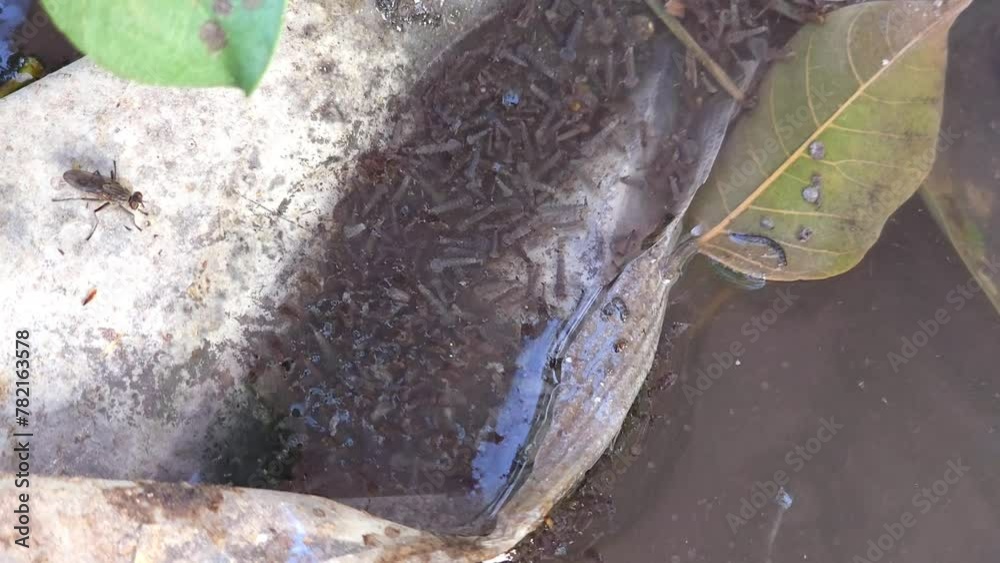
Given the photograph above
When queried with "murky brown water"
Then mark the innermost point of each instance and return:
(815, 406)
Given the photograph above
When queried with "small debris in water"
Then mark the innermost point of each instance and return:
(90, 296)
(616, 306)
(783, 499)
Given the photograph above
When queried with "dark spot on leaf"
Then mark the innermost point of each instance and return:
(805, 233)
(222, 7)
(213, 36)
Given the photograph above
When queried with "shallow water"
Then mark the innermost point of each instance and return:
(824, 361)
(405, 381)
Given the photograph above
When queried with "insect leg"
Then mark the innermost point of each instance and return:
(80, 199)
(132, 213)
(96, 220)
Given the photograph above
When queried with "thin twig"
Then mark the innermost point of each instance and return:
(677, 28)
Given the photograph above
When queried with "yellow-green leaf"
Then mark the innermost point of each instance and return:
(844, 131)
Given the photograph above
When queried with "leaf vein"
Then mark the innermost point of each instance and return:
(879, 133)
(774, 122)
(850, 52)
(809, 249)
(799, 213)
(809, 99)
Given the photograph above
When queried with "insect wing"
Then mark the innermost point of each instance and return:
(95, 183)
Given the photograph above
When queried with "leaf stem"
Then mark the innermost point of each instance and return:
(677, 28)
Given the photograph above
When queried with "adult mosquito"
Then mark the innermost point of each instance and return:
(108, 190)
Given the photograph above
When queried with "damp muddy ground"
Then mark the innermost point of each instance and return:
(673, 487)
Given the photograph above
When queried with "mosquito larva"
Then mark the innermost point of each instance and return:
(561, 208)
(476, 217)
(450, 145)
(404, 186)
(609, 74)
(561, 270)
(524, 51)
(573, 132)
(352, 231)
(433, 300)
(475, 137)
(495, 246)
(549, 163)
(568, 50)
(438, 265)
(456, 203)
(507, 192)
(470, 169)
(517, 234)
(380, 190)
(508, 56)
(499, 125)
(631, 79)
(525, 137)
(542, 94)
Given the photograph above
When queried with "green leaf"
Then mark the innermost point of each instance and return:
(844, 131)
(175, 43)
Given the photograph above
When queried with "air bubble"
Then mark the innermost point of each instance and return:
(805, 233)
(811, 193)
(767, 223)
(817, 150)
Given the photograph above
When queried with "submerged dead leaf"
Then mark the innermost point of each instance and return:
(962, 191)
(844, 133)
